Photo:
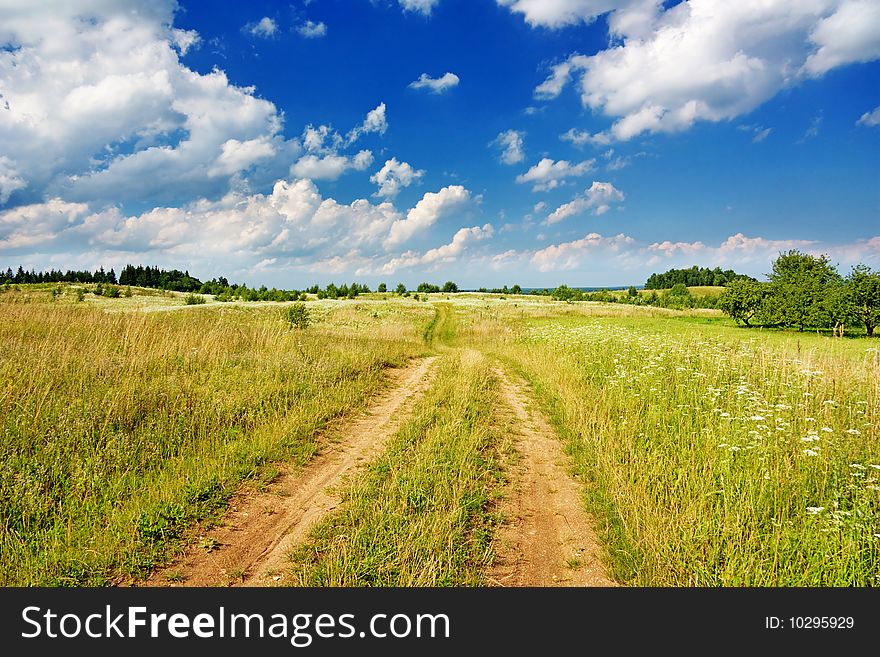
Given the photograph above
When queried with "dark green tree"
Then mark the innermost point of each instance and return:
(743, 299)
(863, 292)
(801, 285)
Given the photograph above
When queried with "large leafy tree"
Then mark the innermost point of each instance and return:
(863, 287)
(801, 285)
(743, 299)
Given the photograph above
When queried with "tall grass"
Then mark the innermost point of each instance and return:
(422, 514)
(716, 456)
(121, 429)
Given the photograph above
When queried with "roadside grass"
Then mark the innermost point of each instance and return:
(711, 454)
(715, 456)
(422, 514)
(120, 430)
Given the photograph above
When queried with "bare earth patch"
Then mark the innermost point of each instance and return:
(548, 540)
(250, 546)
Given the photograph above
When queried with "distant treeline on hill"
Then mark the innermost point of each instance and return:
(57, 276)
(693, 277)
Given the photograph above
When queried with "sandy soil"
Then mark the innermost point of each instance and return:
(250, 546)
(548, 540)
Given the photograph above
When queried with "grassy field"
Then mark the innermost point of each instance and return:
(714, 455)
(121, 429)
(709, 454)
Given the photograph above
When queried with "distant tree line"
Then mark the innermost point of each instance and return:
(678, 297)
(693, 277)
(56, 276)
(152, 277)
(516, 289)
(806, 291)
(332, 291)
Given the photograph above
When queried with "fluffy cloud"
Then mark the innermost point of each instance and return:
(10, 181)
(39, 224)
(746, 254)
(581, 137)
(462, 239)
(375, 121)
(435, 85)
(703, 60)
(569, 255)
(293, 220)
(97, 105)
(421, 6)
(239, 155)
(548, 174)
(870, 119)
(393, 176)
(184, 40)
(265, 27)
(735, 249)
(850, 34)
(511, 144)
(426, 212)
(597, 198)
(312, 30)
(559, 13)
(331, 166)
(291, 227)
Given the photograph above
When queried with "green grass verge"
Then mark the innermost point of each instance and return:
(423, 514)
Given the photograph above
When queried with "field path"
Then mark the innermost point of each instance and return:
(260, 528)
(548, 540)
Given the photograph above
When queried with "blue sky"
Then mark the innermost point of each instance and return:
(587, 142)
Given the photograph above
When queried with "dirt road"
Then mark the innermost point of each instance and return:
(250, 546)
(548, 539)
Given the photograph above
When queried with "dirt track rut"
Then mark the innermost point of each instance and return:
(548, 540)
(260, 528)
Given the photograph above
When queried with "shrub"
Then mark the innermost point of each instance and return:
(297, 315)
(193, 299)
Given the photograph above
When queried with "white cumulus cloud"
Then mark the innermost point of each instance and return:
(436, 85)
(511, 144)
(375, 121)
(548, 174)
(265, 27)
(703, 60)
(312, 30)
(462, 239)
(331, 166)
(582, 137)
(421, 6)
(97, 105)
(426, 212)
(394, 176)
(569, 255)
(598, 198)
(870, 119)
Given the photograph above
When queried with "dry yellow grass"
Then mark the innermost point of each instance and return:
(119, 429)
